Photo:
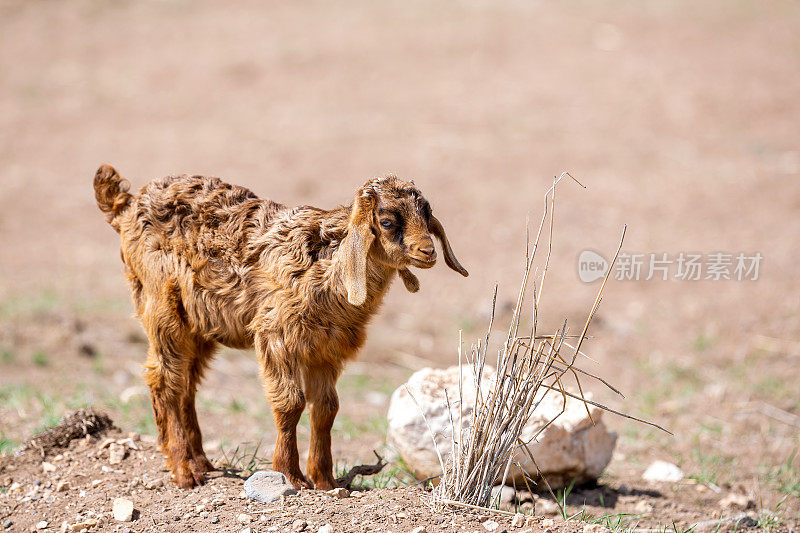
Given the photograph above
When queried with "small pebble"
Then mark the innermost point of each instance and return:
(122, 510)
(737, 501)
(663, 472)
(339, 492)
(214, 519)
(116, 453)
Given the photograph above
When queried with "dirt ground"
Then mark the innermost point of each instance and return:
(680, 117)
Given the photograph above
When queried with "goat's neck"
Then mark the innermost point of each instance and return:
(379, 278)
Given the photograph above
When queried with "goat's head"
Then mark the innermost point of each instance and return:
(392, 223)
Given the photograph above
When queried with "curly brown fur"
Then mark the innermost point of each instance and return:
(210, 263)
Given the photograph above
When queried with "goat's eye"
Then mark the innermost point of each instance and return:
(386, 223)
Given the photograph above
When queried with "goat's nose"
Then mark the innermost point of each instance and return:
(426, 249)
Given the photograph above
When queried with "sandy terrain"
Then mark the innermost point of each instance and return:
(681, 119)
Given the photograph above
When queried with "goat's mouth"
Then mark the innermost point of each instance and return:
(423, 261)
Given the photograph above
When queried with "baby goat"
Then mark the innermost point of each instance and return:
(210, 263)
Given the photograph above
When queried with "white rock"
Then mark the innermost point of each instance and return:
(490, 525)
(267, 486)
(518, 520)
(737, 501)
(420, 529)
(86, 524)
(48, 467)
(41, 525)
(378, 399)
(662, 471)
(131, 392)
(503, 494)
(339, 492)
(327, 528)
(244, 518)
(570, 448)
(129, 442)
(116, 453)
(122, 509)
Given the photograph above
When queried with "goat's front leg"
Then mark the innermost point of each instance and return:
(283, 390)
(320, 387)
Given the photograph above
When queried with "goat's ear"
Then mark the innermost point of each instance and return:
(355, 246)
(449, 257)
(409, 280)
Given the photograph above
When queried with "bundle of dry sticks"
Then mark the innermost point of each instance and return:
(529, 366)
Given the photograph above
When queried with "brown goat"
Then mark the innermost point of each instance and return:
(210, 263)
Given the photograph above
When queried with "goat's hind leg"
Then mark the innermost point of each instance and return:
(166, 372)
(199, 462)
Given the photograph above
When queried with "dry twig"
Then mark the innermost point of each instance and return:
(361, 470)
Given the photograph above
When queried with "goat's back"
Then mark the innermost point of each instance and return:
(189, 239)
(197, 218)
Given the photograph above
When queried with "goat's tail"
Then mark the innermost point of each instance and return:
(111, 193)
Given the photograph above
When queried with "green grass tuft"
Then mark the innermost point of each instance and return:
(772, 519)
(39, 358)
(7, 356)
(702, 343)
(786, 476)
(393, 475)
(244, 458)
(7, 445)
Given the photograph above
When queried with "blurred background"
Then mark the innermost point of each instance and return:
(681, 118)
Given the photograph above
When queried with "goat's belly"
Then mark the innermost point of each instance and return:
(236, 342)
(222, 325)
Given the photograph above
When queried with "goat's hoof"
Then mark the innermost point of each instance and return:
(325, 484)
(203, 464)
(299, 482)
(189, 475)
(184, 480)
